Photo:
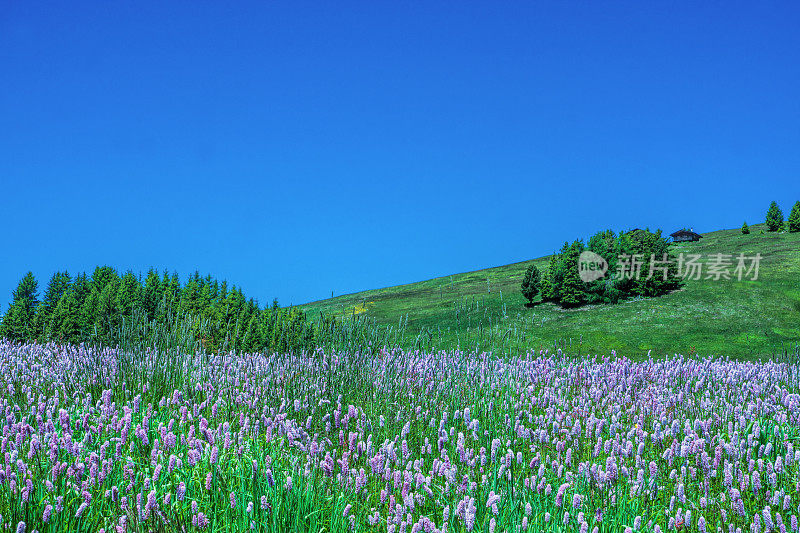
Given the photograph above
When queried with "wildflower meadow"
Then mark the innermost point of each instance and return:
(100, 440)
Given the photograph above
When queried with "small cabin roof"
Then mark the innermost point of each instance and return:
(686, 233)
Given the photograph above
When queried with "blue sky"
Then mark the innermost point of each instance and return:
(296, 148)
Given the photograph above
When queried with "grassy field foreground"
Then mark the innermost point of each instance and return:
(485, 310)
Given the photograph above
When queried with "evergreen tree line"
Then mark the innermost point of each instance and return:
(561, 283)
(774, 220)
(94, 308)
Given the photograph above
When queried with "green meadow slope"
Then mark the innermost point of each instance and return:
(485, 310)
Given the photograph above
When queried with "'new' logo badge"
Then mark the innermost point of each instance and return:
(591, 266)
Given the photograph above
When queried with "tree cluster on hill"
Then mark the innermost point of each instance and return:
(648, 269)
(93, 308)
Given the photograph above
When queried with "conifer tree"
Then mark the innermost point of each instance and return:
(82, 287)
(151, 293)
(102, 276)
(190, 298)
(65, 324)
(794, 218)
(164, 304)
(18, 322)
(774, 217)
(214, 289)
(56, 287)
(252, 338)
(572, 287)
(87, 316)
(107, 314)
(546, 285)
(204, 299)
(173, 292)
(745, 229)
(602, 290)
(128, 295)
(530, 283)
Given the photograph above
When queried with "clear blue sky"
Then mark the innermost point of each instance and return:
(296, 149)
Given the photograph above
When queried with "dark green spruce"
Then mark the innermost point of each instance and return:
(774, 219)
(794, 218)
(531, 283)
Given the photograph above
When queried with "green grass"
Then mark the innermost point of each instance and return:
(485, 310)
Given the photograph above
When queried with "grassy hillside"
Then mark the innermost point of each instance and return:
(485, 310)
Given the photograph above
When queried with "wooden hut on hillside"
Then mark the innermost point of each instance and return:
(685, 235)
